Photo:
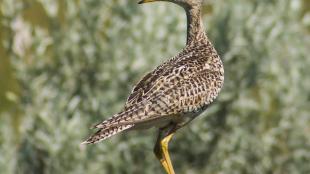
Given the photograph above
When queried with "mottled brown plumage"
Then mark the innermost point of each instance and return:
(175, 92)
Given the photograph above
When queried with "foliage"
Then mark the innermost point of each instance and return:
(76, 61)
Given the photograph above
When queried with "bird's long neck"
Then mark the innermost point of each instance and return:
(195, 29)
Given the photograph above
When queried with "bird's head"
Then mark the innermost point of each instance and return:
(184, 3)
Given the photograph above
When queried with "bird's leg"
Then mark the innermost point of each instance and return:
(161, 149)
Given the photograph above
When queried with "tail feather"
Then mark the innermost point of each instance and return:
(106, 123)
(126, 117)
(117, 123)
(103, 134)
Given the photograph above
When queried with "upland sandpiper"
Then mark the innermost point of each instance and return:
(175, 92)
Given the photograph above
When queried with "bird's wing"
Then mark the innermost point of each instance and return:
(183, 96)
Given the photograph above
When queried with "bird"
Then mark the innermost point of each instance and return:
(174, 93)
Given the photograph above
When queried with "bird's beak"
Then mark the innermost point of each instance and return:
(146, 1)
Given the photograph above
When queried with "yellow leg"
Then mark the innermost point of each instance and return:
(162, 152)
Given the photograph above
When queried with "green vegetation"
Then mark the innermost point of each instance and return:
(65, 65)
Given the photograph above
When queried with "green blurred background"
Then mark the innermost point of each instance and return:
(65, 65)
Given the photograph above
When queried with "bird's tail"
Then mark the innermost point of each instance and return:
(103, 134)
(129, 116)
(115, 124)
